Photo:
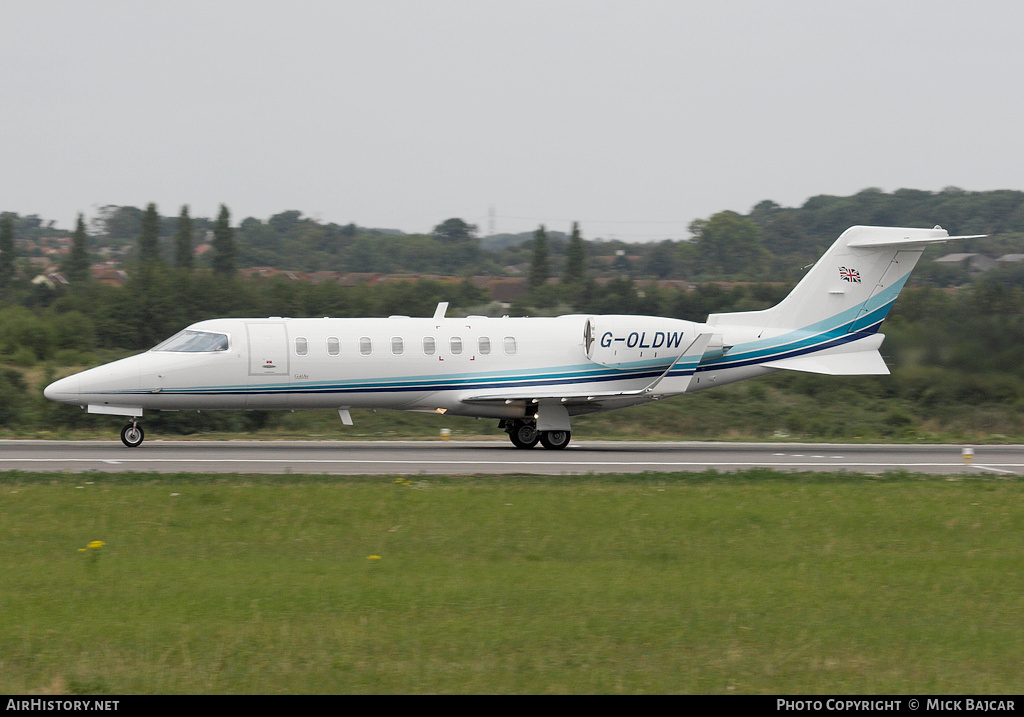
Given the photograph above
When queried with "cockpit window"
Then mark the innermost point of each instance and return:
(189, 341)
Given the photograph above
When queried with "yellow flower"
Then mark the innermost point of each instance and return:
(96, 544)
(373, 557)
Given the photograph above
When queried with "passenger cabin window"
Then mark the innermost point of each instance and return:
(365, 346)
(301, 346)
(333, 346)
(397, 345)
(456, 345)
(485, 345)
(429, 345)
(509, 342)
(194, 342)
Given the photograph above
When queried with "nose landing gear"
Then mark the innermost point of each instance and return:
(132, 435)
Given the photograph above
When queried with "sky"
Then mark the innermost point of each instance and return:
(633, 117)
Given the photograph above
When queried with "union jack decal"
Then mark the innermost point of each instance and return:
(850, 275)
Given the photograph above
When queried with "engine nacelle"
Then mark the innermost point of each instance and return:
(617, 341)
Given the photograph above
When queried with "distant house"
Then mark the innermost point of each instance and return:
(679, 285)
(508, 290)
(974, 262)
(261, 271)
(52, 279)
(359, 278)
(320, 277)
(109, 273)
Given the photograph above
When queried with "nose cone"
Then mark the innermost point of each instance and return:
(66, 390)
(101, 385)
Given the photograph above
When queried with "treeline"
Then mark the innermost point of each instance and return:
(735, 262)
(170, 285)
(769, 240)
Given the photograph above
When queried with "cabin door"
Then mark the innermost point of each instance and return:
(268, 349)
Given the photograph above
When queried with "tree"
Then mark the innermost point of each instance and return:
(116, 222)
(764, 212)
(455, 230)
(455, 246)
(575, 257)
(76, 266)
(539, 269)
(224, 249)
(183, 241)
(285, 222)
(661, 260)
(6, 249)
(785, 239)
(729, 244)
(149, 237)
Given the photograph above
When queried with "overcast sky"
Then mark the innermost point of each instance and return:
(633, 117)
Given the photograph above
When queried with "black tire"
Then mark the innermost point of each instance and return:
(132, 435)
(555, 440)
(524, 435)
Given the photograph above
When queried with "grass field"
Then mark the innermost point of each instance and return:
(746, 583)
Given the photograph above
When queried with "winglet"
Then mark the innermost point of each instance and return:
(441, 309)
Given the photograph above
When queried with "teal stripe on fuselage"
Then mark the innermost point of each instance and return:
(576, 374)
(816, 337)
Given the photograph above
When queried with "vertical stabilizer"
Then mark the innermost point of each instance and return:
(850, 289)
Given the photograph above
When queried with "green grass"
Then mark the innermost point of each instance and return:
(755, 582)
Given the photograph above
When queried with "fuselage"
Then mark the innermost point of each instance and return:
(424, 364)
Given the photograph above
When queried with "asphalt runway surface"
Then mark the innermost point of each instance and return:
(499, 457)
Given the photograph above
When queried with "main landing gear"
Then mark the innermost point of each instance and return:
(524, 434)
(132, 435)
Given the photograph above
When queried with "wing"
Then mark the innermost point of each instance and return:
(557, 403)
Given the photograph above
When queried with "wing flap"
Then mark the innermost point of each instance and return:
(540, 395)
(674, 379)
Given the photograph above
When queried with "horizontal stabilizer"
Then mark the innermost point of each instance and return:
(858, 363)
(895, 238)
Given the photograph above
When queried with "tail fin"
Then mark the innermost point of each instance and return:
(828, 322)
(850, 289)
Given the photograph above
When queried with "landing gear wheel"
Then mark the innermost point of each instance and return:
(132, 435)
(523, 435)
(555, 440)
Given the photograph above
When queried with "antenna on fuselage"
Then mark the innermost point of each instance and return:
(439, 312)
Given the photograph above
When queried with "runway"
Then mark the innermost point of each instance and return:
(436, 458)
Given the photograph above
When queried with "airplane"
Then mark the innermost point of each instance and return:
(533, 374)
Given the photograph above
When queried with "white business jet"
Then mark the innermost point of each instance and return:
(533, 374)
